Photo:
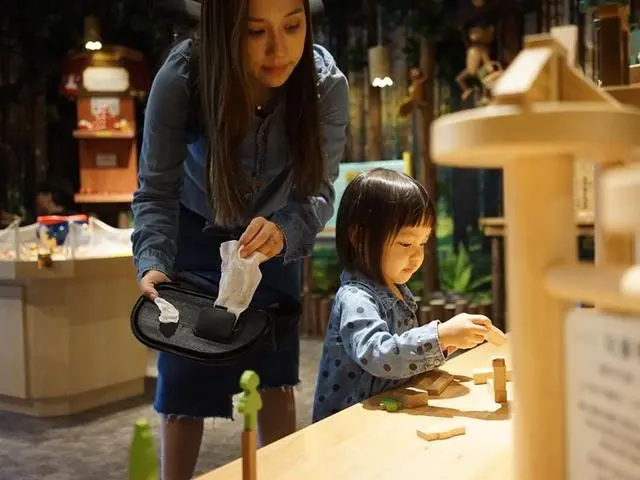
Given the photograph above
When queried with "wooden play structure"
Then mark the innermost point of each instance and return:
(545, 116)
(106, 85)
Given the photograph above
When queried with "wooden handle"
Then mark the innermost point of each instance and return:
(249, 464)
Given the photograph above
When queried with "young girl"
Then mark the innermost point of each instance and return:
(243, 135)
(373, 342)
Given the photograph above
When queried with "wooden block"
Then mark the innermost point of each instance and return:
(499, 374)
(453, 432)
(496, 336)
(434, 382)
(499, 396)
(481, 375)
(411, 397)
(428, 435)
(441, 432)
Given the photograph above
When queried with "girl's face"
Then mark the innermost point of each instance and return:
(404, 254)
(275, 40)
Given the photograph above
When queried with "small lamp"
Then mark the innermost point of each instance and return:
(380, 66)
(92, 39)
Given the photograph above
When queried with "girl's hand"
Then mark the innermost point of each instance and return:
(463, 331)
(262, 236)
(149, 281)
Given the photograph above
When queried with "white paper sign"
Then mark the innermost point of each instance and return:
(603, 396)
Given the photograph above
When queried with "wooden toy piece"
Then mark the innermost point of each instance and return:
(143, 461)
(499, 380)
(412, 397)
(496, 336)
(567, 36)
(434, 382)
(390, 404)
(481, 375)
(491, 388)
(249, 404)
(441, 432)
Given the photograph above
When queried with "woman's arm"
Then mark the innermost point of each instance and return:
(369, 343)
(301, 222)
(156, 203)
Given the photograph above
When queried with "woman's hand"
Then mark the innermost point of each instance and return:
(261, 236)
(149, 281)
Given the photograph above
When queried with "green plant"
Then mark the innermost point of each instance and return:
(325, 270)
(457, 272)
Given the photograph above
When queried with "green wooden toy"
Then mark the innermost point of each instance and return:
(249, 404)
(390, 404)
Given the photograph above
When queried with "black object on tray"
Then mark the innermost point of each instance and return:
(204, 332)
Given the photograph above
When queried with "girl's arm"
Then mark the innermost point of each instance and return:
(156, 203)
(301, 222)
(368, 342)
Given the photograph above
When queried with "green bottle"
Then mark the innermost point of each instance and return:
(143, 460)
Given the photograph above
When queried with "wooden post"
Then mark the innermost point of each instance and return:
(425, 316)
(437, 310)
(449, 311)
(429, 171)
(497, 285)
(537, 319)
(540, 217)
(613, 69)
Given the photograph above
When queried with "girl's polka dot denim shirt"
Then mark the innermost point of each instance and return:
(373, 344)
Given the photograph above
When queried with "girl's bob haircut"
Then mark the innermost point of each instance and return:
(375, 206)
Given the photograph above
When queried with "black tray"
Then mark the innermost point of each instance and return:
(204, 333)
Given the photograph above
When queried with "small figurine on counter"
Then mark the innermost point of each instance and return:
(479, 63)
(374, 343)
(46, 246)
(415, 99)
(249, 404)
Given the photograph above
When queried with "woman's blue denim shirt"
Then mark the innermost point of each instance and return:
(172, 164)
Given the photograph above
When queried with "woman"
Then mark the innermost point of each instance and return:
(244, 132)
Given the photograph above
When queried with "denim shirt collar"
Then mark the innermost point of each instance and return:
(382, 293)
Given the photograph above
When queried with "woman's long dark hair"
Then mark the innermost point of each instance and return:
(221, 90)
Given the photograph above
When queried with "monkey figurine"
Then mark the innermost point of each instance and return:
(416, 93)
(478, 59)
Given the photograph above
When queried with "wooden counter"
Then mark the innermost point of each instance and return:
(66, 345)
(366, 443)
